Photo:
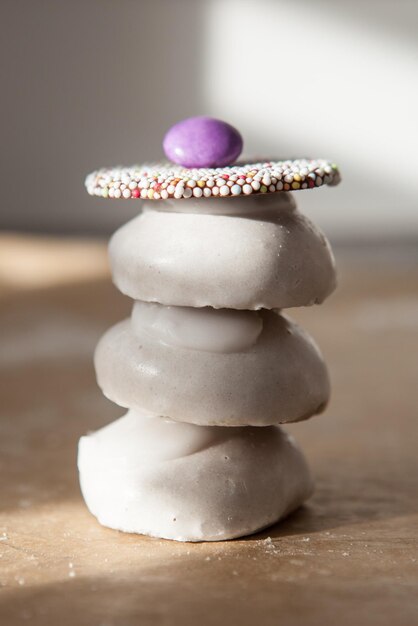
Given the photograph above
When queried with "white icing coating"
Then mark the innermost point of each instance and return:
(272, 258)
(256, 206)
(143, 438)
(213, 330)
(281, 378)
(148, 475)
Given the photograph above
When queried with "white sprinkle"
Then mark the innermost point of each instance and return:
(215, 191)
(247, 189)
(236, 190)
(126, 193)
(224, 190)
(117, 193)
(179, 192)
(255, 185)
(191, 183)
(171, 189)
(197, 192)
(207, 192)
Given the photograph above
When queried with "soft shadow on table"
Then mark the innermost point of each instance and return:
(246, 586)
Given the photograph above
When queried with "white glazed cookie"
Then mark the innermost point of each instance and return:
(153, 476)
(246, 253)
(274, 374)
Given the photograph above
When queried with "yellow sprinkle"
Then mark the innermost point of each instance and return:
(297, 177)
(200, 183)
(150, 193)
(295, 185)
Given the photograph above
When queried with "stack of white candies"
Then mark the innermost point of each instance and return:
(206, 364)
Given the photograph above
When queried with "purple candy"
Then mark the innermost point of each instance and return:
(202, 142)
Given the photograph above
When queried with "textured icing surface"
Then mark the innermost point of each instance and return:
(206, 484)
(281, 378)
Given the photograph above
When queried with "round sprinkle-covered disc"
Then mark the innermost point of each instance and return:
(202, 142)
(160, 181)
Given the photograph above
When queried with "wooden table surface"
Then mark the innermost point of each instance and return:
(348, 557)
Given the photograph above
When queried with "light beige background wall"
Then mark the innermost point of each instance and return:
(96, 82)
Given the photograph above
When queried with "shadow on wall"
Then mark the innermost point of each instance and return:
(335, 80)
(89, 84)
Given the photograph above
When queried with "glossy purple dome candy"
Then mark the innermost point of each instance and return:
(202, 142)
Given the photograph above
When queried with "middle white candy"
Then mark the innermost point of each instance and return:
(213, 367)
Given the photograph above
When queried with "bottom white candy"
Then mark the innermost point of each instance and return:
(150, 475)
